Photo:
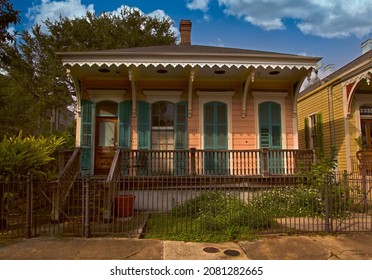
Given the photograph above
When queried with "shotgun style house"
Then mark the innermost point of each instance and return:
(336, 113)
(188, 109)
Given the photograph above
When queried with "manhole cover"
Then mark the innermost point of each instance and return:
(211, 250)
(232, 253)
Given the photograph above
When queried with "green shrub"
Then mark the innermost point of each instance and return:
(287, 202)
(210, 217)
(20, 155)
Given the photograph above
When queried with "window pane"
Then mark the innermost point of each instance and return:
(106, 134)
(276, 136)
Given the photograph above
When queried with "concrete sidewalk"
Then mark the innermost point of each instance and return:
(344, 247)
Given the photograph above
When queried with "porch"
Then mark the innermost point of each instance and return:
(199, 163)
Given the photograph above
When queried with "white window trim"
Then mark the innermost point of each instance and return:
(153, 96)
(218, 96)
(277, 97)
(360, 101)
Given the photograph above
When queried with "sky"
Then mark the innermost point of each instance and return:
(332, 29)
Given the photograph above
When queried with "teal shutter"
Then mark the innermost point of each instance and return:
(124, 124)
(180, 135)
(144, 125)
(270, 136)
(215, 138)
(319, 132)
(180, 126)
(87, 132)
(270, 125)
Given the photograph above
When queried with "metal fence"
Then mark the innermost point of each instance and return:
(135, 205)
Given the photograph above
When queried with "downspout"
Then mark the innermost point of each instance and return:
(331, 117)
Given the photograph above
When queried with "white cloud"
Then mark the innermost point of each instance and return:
(52, 10)
(324, 18)
(198, 5)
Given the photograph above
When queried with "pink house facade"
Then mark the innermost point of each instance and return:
(223, 106)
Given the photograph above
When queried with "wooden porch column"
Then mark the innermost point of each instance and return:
(134, 94)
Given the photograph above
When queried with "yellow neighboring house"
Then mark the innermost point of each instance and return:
(337, 112)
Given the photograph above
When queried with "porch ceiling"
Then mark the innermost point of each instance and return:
(205, 73)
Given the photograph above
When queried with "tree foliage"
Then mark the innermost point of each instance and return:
(20, 155)
(8, 16)
(35, 80)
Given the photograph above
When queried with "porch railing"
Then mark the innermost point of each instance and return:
(65, 182)
(193, 162)
(112, 183)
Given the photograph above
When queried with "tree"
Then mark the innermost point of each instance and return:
(36, 82)
(8, 16)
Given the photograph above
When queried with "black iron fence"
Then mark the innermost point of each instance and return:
(171, 205)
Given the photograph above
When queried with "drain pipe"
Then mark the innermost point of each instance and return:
(331, 117)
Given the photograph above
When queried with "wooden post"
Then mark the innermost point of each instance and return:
(193, 161)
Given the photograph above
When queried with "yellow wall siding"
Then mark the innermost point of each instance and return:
(320, 102)
(339, 127)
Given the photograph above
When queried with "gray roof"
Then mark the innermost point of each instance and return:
(339, 72)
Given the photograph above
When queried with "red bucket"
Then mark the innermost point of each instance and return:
(124, 205)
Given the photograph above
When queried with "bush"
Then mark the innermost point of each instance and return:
(20, 155)
(288, 202)
(210, 217)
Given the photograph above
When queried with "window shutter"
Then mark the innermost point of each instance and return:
(124, 124)
(319, 131)
(307, 133)
(264, 124)
(87, 132)
(144, 114)
(180, 126)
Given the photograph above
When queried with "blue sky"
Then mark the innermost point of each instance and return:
(332, 29)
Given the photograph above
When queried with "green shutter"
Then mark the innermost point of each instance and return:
(124, 124)
(319, 132)
(144, 125)
(271, 136)
(307, 133)
(270, 125)
(180, 135)
(180, 126)
(87, 132)
(215, 138)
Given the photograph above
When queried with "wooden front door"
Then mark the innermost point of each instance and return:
(106, 143)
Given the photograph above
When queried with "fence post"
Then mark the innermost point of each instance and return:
(192, 161)
(86, 183)
(326, 222)
(364, 190)
(29, 205)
